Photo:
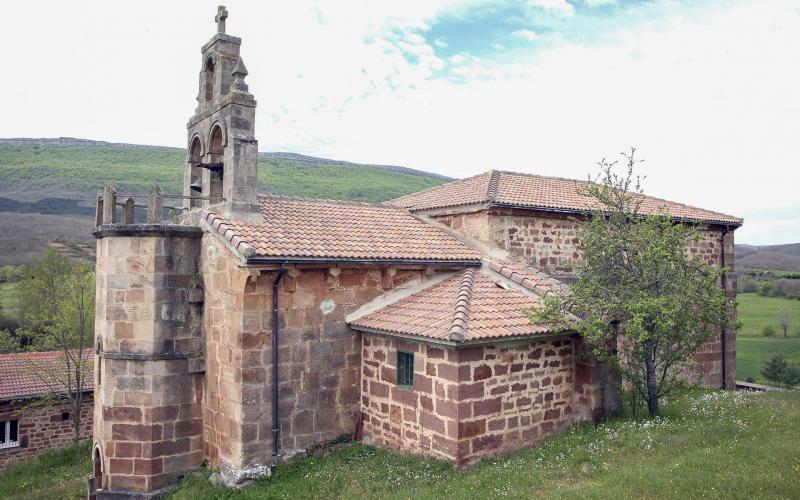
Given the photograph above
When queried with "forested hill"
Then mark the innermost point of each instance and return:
(78, 166)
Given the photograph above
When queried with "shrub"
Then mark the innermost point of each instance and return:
(775, 368)
(768, 331)
(791, 376)
(750, 380)
(765, 288)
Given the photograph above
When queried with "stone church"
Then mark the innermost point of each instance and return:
(261, 325)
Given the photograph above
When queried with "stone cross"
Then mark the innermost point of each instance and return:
(222, 15)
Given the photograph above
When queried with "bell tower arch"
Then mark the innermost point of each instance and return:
(223, 175)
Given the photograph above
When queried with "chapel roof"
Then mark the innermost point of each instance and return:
(470, 305)
(306, 229)
(510, 189)
(19, 379)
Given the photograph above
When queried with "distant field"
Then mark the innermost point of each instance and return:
(751, 352)
(756, 312)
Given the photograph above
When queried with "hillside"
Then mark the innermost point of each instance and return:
(775, 257)
(78, 166)
(47, 186)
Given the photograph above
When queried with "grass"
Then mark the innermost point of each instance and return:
(8, 299)
(55, 474)
(705, 444)
(753, 349)
(86, 169)
(756, 312)
(752, 352)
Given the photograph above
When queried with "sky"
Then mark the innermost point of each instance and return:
(707, 91)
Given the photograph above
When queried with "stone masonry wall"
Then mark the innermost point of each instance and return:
(422, 420)
(550, 242)
(471, 403)
(42, 428)
(148, 375)
(319, 356)
(224, 283)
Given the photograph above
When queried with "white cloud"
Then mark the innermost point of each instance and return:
(599, 3)
(708, 95)
(440, 42)
(525, 34)
(562, 7)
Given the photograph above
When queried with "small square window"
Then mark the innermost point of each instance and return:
(65, 416)
(405, 369)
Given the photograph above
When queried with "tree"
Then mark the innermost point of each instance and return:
(765, 289)
(775, 368)
(785, 321)
(57, 314)
(791, 377)
(768, 331)
(642, 302)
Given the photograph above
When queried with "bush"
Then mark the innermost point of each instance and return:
(750, 380)
(765, 288)
(768, 331)
(791, 376)
(775, 368)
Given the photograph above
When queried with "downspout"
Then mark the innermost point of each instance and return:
(275, 328)
(724, 334)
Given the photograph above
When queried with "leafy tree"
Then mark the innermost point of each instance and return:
(768, 331)
(642, 303)
(57, 314)
(774, 370)
(765, 289)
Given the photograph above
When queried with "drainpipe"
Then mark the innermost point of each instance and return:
(275, 328)
(724, 334)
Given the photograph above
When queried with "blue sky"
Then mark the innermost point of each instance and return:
(706, 90)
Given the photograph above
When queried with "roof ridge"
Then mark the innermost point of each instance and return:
(20, 354)
(434, 188)
(493, 191)
(322, 200)
(494, 185)
(539, 176)
(544, 285)
(460, 321)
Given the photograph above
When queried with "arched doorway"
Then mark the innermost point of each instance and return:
(96, 480)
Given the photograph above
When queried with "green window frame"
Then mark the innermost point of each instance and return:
(405, 369)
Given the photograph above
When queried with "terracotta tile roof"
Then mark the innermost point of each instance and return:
(529, 277)
(467, 306)
(329, 230)
(17, 379)
(525, 190)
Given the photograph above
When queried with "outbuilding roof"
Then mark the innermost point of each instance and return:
(324, 230)
(510, 189)
(468, 306)
(26, 374)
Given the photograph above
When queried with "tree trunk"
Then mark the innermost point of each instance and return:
(652, 382)
(76, 426)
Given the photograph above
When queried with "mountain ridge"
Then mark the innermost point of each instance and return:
(276, 155)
